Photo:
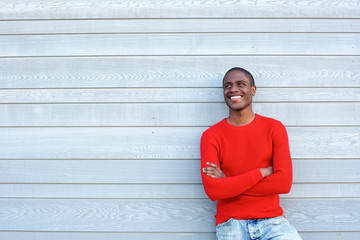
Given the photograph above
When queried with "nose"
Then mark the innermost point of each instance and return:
(234, 88)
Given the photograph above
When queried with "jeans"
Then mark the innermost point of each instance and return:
(277, 228)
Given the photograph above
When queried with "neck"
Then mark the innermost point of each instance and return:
(240, 118)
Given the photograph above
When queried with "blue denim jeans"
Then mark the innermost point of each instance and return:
(277, 228)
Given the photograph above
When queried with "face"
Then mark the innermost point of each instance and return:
(238, 91)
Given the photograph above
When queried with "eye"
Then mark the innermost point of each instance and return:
(227, 86)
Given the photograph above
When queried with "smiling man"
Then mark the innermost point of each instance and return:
(246, 164)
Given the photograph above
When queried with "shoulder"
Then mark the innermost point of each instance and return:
(214, 129)
(273, 126)
(271, 122)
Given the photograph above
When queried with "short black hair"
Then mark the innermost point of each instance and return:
(246, 72)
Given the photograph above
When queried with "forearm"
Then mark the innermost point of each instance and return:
(229, 187)
(278, 183)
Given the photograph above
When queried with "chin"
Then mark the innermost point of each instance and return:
(235, 108)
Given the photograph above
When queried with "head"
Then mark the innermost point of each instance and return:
(246, 72)
(239, 88)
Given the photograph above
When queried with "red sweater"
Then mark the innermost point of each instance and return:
(240, 152)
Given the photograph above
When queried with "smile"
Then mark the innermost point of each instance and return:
(235, 97)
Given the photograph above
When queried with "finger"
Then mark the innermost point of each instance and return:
(212, 170)
(212, 175)
(213, 165)
(208, 169)
(209, 172)
(217, 170)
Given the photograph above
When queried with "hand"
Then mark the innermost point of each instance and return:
(267, 171)
(214, 171)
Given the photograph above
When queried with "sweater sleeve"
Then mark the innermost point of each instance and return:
(226, 187)
(281, 180)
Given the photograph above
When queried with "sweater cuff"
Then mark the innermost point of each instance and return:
(256, 175)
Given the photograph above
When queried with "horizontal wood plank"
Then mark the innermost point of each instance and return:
(173, 95)
(104, 191)
(107, 236)
(158, 142)
(172, 114)
(322, 215)
(79, 9)
(96, 102)
(186, 215)
(107, 215)
(319, 190)
(152, 171)
(180, 44)
(186, 71)
(164, 191)
(339, 235)
(156, 236)
(179, 26)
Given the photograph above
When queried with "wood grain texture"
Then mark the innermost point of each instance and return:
(322, 215)
(107, 215)
(173, 114)
(180, 44)
(156, 236)
(64, 9)
(318, 190)
(156, 171)
(174, 95)
(104, 191)
(179, 215)
(162, 191)
(109, 236)
(158, 142)
(103, 104)
(179, 26)
(339, 235)
(185, 71)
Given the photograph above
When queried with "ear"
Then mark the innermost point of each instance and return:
(253, 90)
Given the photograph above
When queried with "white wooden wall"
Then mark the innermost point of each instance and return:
(103, 104)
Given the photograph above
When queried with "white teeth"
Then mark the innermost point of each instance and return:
(235, 97)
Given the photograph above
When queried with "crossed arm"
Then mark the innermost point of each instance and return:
(218, 186)
(276, 179)
(215, 172)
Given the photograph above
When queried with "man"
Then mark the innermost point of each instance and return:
(246, 164)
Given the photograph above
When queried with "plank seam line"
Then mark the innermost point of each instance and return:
(166, 126)
(90, 57)
(133, 88)
(178, 18)
(172, 199)
(168, 33)
(183, 55)
(96, 159)
(126, 232)
(199, 184)
(109, 199)
(177, 88)
(114, 183)
(159, 183)
(164, 159)
(169, 102)
(140, 232)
